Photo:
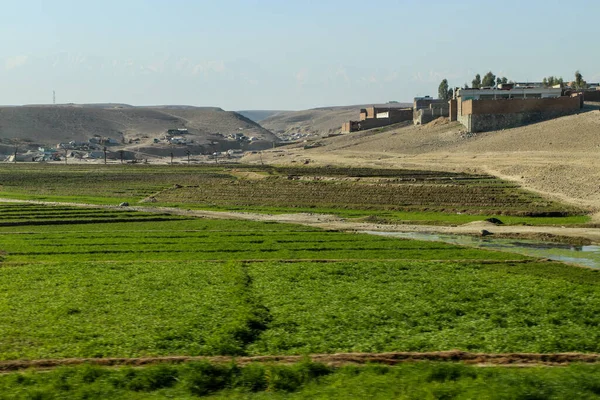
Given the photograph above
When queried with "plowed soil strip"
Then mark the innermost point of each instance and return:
(507, 359)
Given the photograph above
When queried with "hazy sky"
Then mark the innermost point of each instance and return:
(267, 54)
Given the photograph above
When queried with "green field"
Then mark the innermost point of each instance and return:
(305, 381)
(111, 282)
(209, 287)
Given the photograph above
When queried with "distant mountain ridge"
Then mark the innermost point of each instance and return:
(53, 124)
(317, 121)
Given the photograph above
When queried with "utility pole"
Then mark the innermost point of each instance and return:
(15, 158)
(188, 154)
(171, 158)
(66, 151)
(104, 150)
(121, 153)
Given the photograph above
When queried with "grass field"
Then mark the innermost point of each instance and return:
(209, 287)
(403, 196)
(305, 381)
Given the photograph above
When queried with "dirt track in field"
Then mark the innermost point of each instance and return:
(332, 222)
(507, 359)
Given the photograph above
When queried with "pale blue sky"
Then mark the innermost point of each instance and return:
(266, 54)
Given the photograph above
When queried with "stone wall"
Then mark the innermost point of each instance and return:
(426, 115)
(591, 95)
(509, 106)
(396, 115)
(419, 104)
(494, 122)
(492, 115)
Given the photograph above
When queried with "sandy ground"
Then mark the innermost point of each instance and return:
(332, 222)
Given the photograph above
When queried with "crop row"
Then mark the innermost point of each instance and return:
(127, 309)
(324, 187)
(360, 196)
(203, 239)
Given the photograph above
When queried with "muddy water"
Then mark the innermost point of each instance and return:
(588, 256)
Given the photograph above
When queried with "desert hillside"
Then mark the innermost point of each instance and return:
(560, 157)
(316, 121)
(49, 125)
(259, 115)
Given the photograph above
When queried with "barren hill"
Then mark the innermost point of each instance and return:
(49, 125)
(560, 157)
(259, 115)
(316, 121)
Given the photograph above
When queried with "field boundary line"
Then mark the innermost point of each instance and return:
(284, 261)
(330, 222)
(339, 359)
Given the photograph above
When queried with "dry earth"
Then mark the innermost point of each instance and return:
(559, 158)
(33, 126)
(339, 359)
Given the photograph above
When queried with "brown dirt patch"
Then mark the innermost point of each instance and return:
(520, 359)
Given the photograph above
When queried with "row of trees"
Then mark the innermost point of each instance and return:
(489, 79)
(578, 83)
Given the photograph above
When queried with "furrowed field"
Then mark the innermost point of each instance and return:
(385, 194)
(110, 282)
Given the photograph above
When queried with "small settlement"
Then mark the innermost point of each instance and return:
(485, 109)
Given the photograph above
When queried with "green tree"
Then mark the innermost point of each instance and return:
(476, 83)
(504, 80)
(443, 90)
(579, 82)
(489, 79)
(551, 81)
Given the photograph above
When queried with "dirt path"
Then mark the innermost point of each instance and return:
(332, 222)
(508, 359)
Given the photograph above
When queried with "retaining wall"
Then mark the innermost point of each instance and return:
(494, 122)
(491, 115)
(509, 106)
(591, 95)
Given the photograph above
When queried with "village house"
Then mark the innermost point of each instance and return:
(378, 116)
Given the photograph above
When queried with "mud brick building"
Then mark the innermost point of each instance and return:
(378, 116)
(509, 106)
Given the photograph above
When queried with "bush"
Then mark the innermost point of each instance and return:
(202, 378)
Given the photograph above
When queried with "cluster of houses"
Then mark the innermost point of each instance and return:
(175, 137)
(483, 109)
(240, 137)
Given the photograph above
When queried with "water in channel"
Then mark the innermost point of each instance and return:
(588, 256)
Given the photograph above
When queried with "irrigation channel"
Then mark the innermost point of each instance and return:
(587, 256)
